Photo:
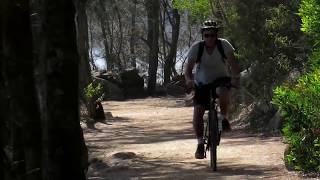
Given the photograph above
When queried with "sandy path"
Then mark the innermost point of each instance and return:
(153, 139)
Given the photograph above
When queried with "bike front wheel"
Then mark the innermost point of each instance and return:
(214, 136)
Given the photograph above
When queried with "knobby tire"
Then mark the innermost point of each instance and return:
(213, 134)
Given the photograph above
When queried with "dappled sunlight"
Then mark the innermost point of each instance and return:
(159, 168)
(158, 133)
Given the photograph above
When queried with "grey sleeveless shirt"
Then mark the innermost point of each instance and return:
(212, 65)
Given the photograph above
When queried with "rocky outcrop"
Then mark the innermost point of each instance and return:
(111, 90)
(132, 84)
(128, 84)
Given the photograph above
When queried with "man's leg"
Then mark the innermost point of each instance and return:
(224, 100)
(198, 113)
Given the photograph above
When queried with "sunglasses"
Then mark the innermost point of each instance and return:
(209, 35)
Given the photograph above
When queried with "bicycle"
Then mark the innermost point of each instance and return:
(212, 127)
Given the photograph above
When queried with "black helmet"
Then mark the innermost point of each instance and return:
(210, 24)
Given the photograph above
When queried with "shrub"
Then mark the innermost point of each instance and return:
(299, 105)
(310, 16)
(93, 93)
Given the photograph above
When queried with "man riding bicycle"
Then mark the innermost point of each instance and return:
(212, 59)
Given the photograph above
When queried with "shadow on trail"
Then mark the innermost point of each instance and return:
(241, 137)
(130, 134)
(170, 102)
(162, 169)
(122, 131)
(91, 125)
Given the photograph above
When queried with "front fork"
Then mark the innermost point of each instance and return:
(214, 106)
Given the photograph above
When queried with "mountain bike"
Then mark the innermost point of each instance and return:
(213, 127)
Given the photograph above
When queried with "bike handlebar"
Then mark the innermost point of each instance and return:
(215, 85)
(210, 86)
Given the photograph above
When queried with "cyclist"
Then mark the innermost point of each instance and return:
(212, 65)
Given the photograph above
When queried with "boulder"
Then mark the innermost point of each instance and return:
(109, 76)
(132, 84)
(111, 90)
(127, 84)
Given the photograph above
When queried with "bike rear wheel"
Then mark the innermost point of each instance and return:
(213, 138)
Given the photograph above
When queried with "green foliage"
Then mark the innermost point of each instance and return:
(282, 25)
(267, 34)
(232, 14)
(198, 9)
(310, 16)
(279, 18)
(300, 103)
(315, 60)
(300, 106)
(93, 93)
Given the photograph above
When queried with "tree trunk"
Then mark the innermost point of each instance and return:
(163, 35)
(105, 28)
(120, 38)
(107, 54)
(3, 102)
(152, 8)
(57, 68)
(133, 10)
(44, 138)
(170, 59)
(18, 93)
(94, 67)
(85, 77)
(83, 44)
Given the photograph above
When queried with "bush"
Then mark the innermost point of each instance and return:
(310, 16)
(299, 105)
(93, 93)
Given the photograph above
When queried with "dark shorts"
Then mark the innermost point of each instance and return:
(202, 95)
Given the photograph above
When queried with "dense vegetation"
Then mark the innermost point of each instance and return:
(300, 102)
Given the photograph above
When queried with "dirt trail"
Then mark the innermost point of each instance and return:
(153, 139)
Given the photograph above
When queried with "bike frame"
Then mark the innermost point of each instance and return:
(212, 133)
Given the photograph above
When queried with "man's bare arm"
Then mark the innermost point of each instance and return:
(235, 69)
(188, 70)
(234, 64)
